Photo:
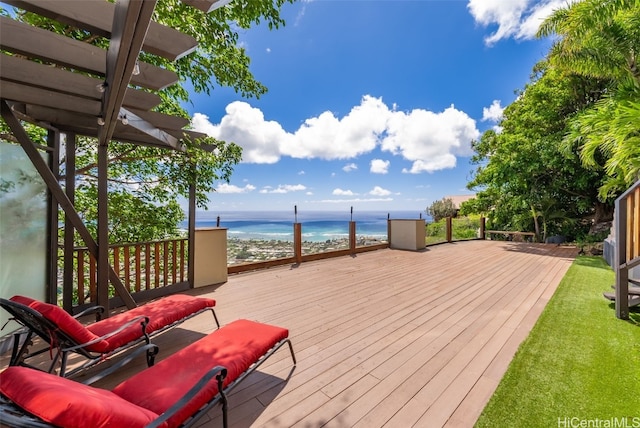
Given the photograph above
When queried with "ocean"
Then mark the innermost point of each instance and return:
(317, 226)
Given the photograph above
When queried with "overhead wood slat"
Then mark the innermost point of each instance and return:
(37, 43)
(206, 5)
(31, 95)
(96, 16)
(148, 128)
(86, 125)
(162, 120)
(35, 74)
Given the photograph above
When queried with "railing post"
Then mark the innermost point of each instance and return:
(482, 226)
(389, 228)
(352, 236)
(449, 229)
(297, 242)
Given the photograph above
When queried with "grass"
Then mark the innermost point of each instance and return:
(579, 363)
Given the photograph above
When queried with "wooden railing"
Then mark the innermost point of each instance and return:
(140, 266)
(152, 266)
(512, 235)
(627, 236)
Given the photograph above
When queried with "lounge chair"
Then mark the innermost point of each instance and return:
(175, 392)
(100, 340)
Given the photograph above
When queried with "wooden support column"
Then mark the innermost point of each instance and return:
(482, 227)
(192, 234)
(622, 273)
(69, 231)
(103, 231)
(449, 229)
(53, 142)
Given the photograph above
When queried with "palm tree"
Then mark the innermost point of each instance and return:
(598, 38)
(601, 39)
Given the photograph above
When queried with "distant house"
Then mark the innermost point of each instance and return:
(459, 199)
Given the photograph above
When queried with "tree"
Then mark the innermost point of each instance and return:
(526, 179)
(442, 209)
(601, 39)
(145, 184)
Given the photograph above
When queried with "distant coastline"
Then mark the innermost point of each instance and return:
(317, 226)
(254, 236)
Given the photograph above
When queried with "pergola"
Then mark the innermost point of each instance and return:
(71, 87)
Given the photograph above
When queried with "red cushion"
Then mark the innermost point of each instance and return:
(161, 313)
(235, 346)
(65, 322)
(69, 404)
(23, 300)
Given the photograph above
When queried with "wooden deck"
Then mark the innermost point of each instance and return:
(383, 339)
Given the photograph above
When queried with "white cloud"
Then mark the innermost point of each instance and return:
(284, 188)
(519, 19)
(379, 191)
(350, 167)
(309, 193)
(268, 50)
(355, 200)
(431, 140)
(301, 172)
(379, 166)
(230, 188)
(493, 113)
(340, 192)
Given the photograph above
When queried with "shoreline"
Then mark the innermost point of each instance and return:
(257, 250)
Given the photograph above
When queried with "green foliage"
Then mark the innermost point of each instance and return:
(526, 180)
(442, 209)
(601, 39)
(574, 361)
(465, 227)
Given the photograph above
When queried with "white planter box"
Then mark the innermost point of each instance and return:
(407, 234)
(210, 256)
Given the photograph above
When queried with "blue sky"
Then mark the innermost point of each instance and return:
(371, 104)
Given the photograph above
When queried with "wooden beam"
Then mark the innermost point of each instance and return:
(27, 72)
(54, 187)
(97, 16)
(44, 45)
(130, 24)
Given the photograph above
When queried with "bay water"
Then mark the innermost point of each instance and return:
(317, 226)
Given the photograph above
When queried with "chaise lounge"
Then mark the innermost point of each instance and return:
(175, 392)
(100, 340)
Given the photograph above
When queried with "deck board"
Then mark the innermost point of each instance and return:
(384, 339)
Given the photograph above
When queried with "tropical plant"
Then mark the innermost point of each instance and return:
(601, 39)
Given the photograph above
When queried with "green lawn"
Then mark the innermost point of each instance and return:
(579, 365)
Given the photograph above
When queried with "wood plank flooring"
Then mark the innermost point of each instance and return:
(383, 339)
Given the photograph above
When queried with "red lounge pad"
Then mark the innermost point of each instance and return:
(68, 324)
(161, 313)
(69, 404)
(235, 346)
